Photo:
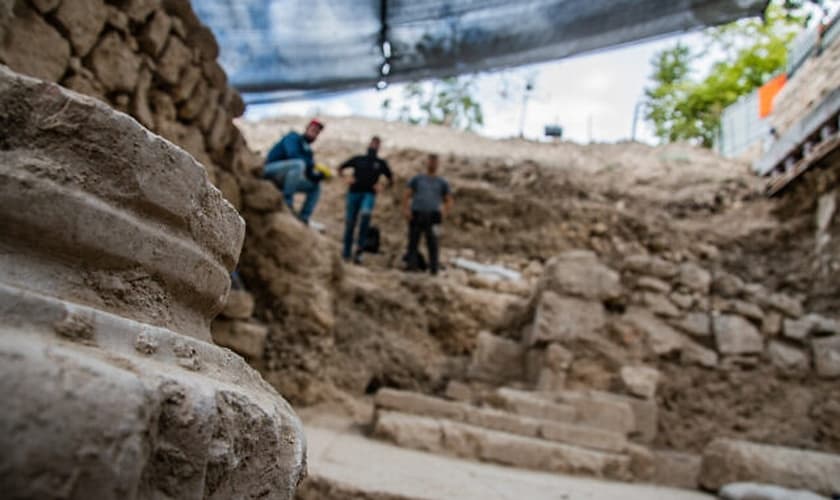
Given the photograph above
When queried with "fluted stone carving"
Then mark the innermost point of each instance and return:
(114, 257)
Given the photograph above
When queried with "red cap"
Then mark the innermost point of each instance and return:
(317, 122)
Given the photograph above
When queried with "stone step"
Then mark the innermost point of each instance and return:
(728, 461)
(591, 408)
(440, 435)
(498, 420)
(527, 404)
(599, 409)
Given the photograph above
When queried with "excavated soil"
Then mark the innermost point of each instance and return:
(519, 203)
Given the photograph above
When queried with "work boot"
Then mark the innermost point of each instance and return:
(357, 257)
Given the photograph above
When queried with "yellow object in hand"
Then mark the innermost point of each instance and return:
(324, 170)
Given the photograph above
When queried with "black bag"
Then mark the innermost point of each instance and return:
(372, 240)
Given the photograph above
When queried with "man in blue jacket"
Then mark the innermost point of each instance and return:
(291, 166)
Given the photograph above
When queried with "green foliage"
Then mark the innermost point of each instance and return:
(450, 102)
(747, 53)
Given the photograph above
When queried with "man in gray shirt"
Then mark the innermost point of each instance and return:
(427, 200)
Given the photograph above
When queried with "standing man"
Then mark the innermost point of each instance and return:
(291, 166)
(427, 201)
(361, 195)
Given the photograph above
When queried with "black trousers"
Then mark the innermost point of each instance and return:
(423, 224)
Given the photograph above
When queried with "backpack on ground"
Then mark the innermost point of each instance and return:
(372, 240)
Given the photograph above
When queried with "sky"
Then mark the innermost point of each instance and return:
(592, 96)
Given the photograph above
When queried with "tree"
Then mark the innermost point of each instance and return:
(747, 53)
(450, 102)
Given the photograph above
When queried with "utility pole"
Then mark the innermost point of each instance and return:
(636, 110)
(529, 86)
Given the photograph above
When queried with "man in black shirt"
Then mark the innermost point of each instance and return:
(361, 197)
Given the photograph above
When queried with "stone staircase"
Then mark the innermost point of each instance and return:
(572, 432)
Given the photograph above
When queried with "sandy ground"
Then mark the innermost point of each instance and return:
(339, 453)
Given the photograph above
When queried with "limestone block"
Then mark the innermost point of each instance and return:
(186, 88)
(197, 101)
(531, 405)
(642, 462)
(245, 338)
(86, 86)
(140, 103)
(660, 338)
(201, 38)
(682, 300)
(175, 56)
(660, 305)
(155, 33)
(459, 391)
(239, 305)
(771, 324)
(104, 325)
(496, 359)
(33, 47)
(745, 309)
(206, 118)
(139, 10)
(783, 303)
(83, 20)
(653, 284)
(646, 417)
(500, 447)
(583, 436)
(758, 491)
(215, 75)
(696, 323)
(727, 461)
(420, 404)
(693, 353)
(640, 380)
(827, 356)
(220, 132)
(115, 64)
(597, 409)
(736, 335)
(409, 431)
(727, 285)
(798, 329)
(654, 266)
(233, 102)
(580, 274)
(554, 363)
(45, 6)
(676, 469)
(824, 326)
(499, 420)
(694, 278)
(178, 26)
(787, 359)
(163, 107)
(118, 20)
(229, 187)
(560, 319)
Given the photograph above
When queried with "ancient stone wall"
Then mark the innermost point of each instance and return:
(674, 331)
(152, 59)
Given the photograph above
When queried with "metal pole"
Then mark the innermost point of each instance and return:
(529, 86)
(636, 108)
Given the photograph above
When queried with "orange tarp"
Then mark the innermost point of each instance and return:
(767, 92)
